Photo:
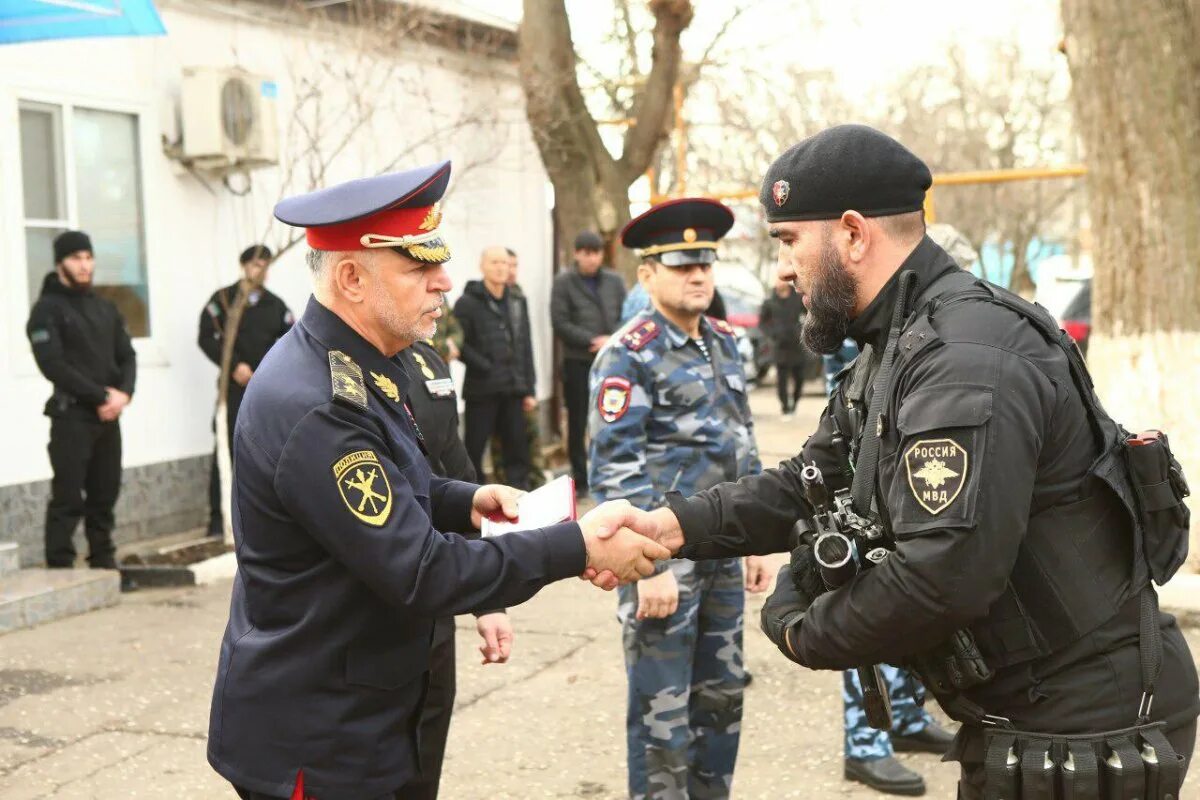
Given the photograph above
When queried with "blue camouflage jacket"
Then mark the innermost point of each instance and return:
(663, 417)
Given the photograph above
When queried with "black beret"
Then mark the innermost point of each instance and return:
(589, 240)
(70, 242)
(255, 251)
(844, 168)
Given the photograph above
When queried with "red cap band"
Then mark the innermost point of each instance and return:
(389, 222)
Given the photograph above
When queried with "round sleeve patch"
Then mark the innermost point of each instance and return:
(937, 472)
(364, 487)
(613, 400)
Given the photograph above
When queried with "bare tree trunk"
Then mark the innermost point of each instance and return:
(1137, 99)
(591, 187)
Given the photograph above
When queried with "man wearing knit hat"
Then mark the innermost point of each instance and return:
(80, 344)
(1002, 528)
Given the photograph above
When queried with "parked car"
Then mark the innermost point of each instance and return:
(1076, 317)
(741, 311)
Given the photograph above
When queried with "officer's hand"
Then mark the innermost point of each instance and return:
(658, 597)
(756, 576)
(597, 342)
(242, 374)
(495, 501)
(497, 632)
(618, 538)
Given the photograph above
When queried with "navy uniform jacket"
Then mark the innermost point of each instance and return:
(342, 571)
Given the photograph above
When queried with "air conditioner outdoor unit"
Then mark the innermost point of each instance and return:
(229, 119)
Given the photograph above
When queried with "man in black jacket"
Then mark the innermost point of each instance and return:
(265, 318)
(780, 319)
(434, 405)
(81, 346)
(498, 352)
(585, 309)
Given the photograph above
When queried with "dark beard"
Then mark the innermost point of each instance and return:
(74, 285)
(832, 296)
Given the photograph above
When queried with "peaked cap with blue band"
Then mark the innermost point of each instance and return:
(679, 232)
(397, 210)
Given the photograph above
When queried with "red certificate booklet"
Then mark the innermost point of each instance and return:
(549, 505)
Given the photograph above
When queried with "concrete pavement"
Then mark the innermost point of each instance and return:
(114, 704)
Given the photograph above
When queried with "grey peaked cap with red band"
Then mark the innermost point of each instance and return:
(844, 168)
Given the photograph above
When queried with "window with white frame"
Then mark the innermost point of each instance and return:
(81, 169)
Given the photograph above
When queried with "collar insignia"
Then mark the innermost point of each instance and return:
(387, 385)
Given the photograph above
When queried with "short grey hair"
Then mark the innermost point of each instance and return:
(317, 261)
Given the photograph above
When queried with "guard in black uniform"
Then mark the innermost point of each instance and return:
(1009, 528)
(342, 565)
(81, 346)
(265, 318)
(434, 404)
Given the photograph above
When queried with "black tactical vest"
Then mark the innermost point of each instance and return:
(1081, 560)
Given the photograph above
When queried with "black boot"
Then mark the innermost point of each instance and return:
(885, 775)
(931, 739)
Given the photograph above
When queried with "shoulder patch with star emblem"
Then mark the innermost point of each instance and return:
(364, 487)
(937, 472)
(347, 380)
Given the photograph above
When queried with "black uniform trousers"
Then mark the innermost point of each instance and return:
(86, 458)
(435, 715)
(789, 384)
(575, 396)
(233, 401)
(503, 414)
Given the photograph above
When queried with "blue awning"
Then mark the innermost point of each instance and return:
(38, 20)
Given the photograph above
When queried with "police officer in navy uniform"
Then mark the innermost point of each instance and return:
(434, 404)
(265, 318)
(80, 344)
(344, 564)
(1013, 569)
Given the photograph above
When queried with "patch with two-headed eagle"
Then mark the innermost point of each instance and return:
(613, 400)
(364, 487)
(937, 472)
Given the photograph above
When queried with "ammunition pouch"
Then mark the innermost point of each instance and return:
(1131, 763)
(1160, 488)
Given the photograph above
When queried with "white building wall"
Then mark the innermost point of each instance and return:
(194, 233)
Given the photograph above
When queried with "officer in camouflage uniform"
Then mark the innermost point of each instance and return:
(669, 412)
(448, 338)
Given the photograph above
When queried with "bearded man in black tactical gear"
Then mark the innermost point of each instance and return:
(1005, 528)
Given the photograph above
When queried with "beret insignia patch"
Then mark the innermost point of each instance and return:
(937, 472)
(613, 401)
(780, 192)
(364, 487)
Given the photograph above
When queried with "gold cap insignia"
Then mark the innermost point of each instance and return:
(387, 385)
(689, 234)
(432, 219)
(364, 486)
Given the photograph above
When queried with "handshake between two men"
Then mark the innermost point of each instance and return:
(622, 541)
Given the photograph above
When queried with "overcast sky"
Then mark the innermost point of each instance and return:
(863, 42)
